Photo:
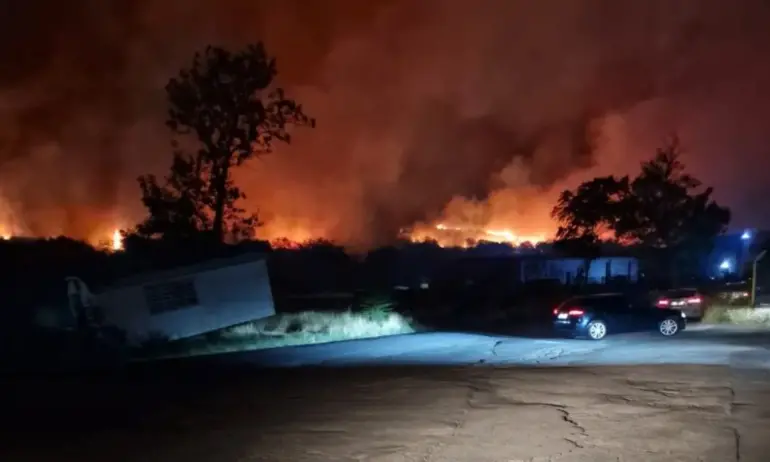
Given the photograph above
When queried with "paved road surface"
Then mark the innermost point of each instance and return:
(701, 344)
(428, 397)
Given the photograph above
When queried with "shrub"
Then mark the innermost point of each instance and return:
(758, 317)
(377, 318)
(374, 322)
(377, 309)
(716, 314)
(742, 316)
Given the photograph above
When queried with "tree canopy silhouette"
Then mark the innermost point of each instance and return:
(662, 208)
(178, 210)
(227, 104)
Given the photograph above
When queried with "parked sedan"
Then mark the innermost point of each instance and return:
(596, 316)
(691, 302)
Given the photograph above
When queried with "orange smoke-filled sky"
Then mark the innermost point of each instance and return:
(475, 113)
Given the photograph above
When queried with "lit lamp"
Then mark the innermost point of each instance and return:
(725, 265)
(746, 235)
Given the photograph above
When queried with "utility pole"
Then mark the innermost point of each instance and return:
(754, 278)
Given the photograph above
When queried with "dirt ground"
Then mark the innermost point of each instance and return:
(426, 414)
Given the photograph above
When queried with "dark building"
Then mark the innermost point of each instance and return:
(568, 270)
(514, 270)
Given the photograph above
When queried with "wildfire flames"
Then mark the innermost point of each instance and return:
(112, 241)
(453, 154)
(465, 236)
(444, 235)
(287, 234)
(117, 241)
(6, 231)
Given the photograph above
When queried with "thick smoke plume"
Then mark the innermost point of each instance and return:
(473, 112)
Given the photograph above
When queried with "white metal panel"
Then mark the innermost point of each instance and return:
(226, 296)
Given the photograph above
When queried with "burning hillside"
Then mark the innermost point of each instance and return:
(428, 112)
(459, 236)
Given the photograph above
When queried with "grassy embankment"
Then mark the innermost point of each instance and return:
(375, 319)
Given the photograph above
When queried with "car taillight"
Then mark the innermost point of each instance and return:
(694, 300)
(663, 302)
(575, 312)
(555, 311)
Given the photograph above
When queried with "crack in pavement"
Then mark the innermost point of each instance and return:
(567, 417)
(435, 448)
(736, 432)
(744, 366)
(494, 347)
(480, 385)
(556, 350)
(574, 443)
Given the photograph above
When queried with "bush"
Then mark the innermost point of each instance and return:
(376, 318)
(377, 309)
(716, 314)
(732, 298)
(741, 316)
(318, 327)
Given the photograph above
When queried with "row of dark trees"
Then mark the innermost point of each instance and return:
(664, 213)
(224, 109)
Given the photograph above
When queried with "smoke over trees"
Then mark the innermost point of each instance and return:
(396, 84)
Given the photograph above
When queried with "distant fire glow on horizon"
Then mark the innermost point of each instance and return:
(105, 234)
(442, 234)
(463, 236)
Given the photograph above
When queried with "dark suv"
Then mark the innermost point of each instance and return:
(595, 316)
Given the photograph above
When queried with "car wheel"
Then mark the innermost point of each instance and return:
(597, 330)
(669, 327)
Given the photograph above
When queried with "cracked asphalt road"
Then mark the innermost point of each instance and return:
(503, 403)
(708, 345)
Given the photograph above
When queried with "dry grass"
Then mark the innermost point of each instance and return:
(738, 315)
(281, 330)
(318, 327)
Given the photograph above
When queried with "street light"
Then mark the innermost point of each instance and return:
(754, 278)
(725, 265)
(746, 240)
